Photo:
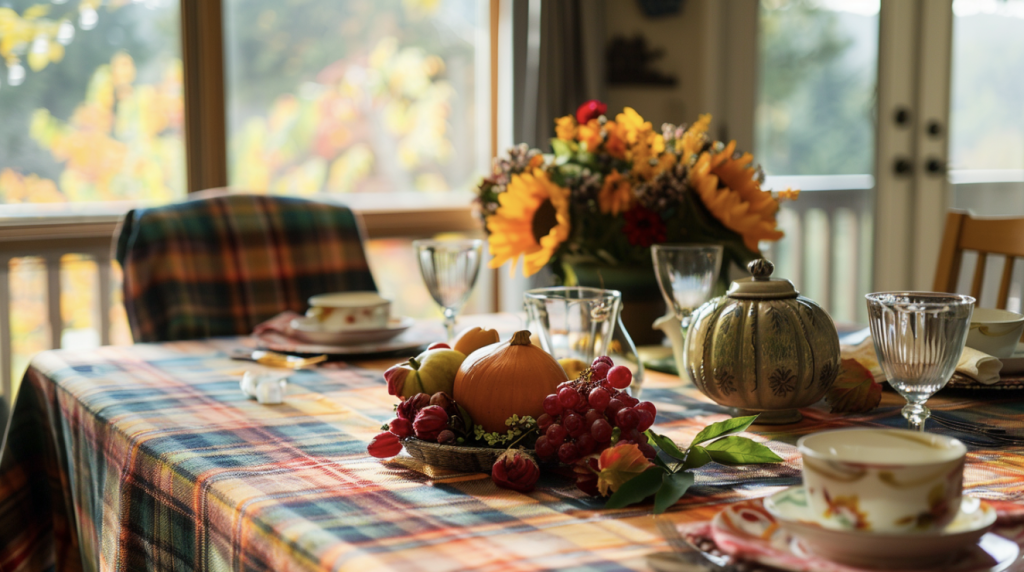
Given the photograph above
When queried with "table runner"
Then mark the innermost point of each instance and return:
(149, 457)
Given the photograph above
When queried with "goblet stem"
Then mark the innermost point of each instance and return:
(449, 323)
(916, 414)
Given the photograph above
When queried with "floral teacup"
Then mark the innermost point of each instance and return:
(343, 311)
(882, 480)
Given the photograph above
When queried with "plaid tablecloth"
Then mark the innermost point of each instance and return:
(149, 457)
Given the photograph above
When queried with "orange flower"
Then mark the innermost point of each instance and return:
(616, 143)
(618, 465)
(740, 204)
(616, 194)
(565, 128)
(590, 135)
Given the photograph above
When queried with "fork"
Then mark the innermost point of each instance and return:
(687, 554)
(993, 434)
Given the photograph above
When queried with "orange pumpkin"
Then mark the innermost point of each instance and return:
(506, 379)
(473, 339)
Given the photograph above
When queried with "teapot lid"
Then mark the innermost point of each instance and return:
(760, 285)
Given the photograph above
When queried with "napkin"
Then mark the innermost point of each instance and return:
(976, 365)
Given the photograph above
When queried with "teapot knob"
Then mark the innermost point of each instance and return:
(761, 269)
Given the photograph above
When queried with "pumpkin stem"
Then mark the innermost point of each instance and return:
(413, 363)
(520, 338)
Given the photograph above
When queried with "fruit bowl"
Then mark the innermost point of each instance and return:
(455, 457)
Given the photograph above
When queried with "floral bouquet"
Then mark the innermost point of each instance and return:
(612, 188)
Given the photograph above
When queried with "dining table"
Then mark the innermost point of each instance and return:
(149, 457)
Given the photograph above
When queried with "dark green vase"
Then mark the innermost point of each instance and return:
(642, 303)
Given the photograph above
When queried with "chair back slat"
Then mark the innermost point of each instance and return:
(979, 275)
(1004, 283)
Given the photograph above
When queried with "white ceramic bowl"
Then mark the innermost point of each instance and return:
(882, 480)
(995, 332)
(346, 311)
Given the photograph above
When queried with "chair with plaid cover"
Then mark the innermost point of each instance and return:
(218, 266)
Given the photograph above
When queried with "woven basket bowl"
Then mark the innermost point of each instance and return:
(455, 457)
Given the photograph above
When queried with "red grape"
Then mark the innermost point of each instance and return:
(544, 421)
(599, 398)
(647, 450)
(647, 405)
(556, 434)
(626, 418)
(601, 431)
(602, 359)
(593, 415)
(613, 408)
(644, 419)
(568, 397)
(568, 453)
(600, 370)
(582, 406)
(620, 377)
(552, 406)
(573, 424)
(629, 400)
(544, 448)
(633, 436)
(586, 444)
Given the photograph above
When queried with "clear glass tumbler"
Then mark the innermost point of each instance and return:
(450, 269)
(918, 339)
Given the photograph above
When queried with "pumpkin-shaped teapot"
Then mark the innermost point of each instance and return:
(763, 348)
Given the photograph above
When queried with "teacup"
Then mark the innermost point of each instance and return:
(995, 332)
(342, 311)
(882, 480)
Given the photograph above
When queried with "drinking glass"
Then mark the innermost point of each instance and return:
(449, 269)
(918, 339)
(686, 274)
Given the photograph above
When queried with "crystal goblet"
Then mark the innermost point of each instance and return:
(450, 269)
(918, 339)
(686, 274)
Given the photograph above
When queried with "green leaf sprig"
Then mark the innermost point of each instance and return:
(669, 478)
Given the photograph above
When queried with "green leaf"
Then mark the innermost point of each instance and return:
(727, 427)
(665, 444)
(672, 489)
(561, 148)
(637, 489)
(735, 450)
(697, 456)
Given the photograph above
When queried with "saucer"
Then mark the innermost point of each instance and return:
(308, 330)
(790, 509)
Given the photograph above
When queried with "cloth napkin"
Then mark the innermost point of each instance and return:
(976, 365)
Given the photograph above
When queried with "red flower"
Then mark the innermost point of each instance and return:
(515, 470)
(409, 407)
(429, 423)
(590, 110)
(643, 227)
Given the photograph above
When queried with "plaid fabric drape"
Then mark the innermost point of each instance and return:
(219, 266)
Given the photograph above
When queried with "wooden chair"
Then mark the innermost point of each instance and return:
(1001, 236)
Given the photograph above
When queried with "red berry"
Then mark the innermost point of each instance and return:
(626, 418)
(573, 423)
(602, 359)
(439, 346)
(644, 419)
(568, 397)
(592, 415)
(384, 445)
(600, 370)
(552, 406)
(648, 406)
(568, 453)
(446, 436)
(620, 377)
(544, 421)
(599, 398)
(601, 431)
(401, 427)
(556, 434)
(613, 408)
(586, 444)
(544, 448)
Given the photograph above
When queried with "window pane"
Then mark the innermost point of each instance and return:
(90, 102)
(817, 86)
(354, 96)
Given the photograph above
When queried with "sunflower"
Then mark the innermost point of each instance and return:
(739, 204)
(532, 221)
(616, 194)
(693, 140)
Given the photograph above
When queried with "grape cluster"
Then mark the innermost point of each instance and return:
(581, 418)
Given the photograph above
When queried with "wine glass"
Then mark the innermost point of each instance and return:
(686, 274)
(918, 339)
(449, 269)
